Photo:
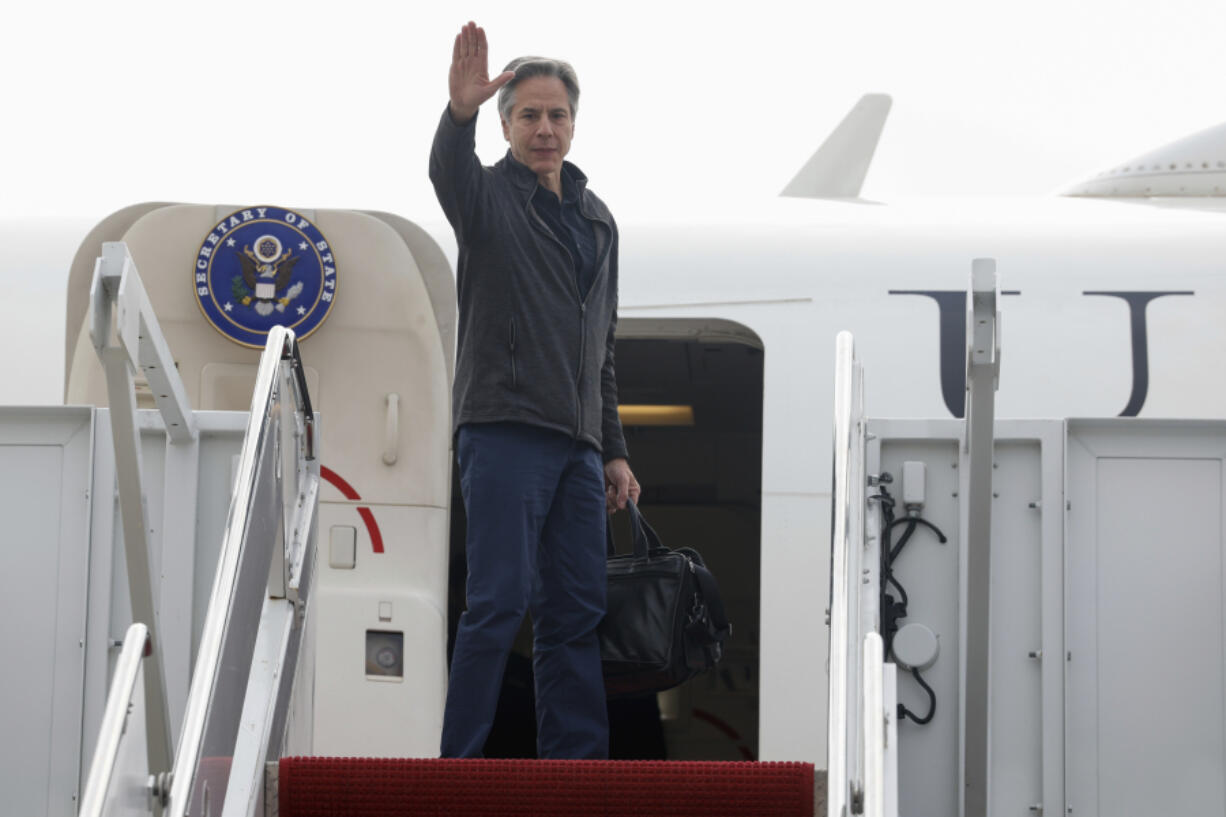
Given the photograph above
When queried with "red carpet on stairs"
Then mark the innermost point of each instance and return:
(357, 787)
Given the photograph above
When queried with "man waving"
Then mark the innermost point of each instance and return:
(540, 447)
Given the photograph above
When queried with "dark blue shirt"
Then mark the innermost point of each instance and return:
(571, 228)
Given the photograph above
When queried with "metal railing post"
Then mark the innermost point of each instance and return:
(982, 379)
(126, 335)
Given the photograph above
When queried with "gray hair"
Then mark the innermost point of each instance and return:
(528, 67)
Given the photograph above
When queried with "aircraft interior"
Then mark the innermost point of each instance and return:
(701, 476)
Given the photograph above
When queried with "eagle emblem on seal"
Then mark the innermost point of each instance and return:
(265, 283)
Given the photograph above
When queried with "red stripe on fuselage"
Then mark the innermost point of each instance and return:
(372, 527)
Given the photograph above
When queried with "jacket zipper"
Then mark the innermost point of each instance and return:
(579, 371)
(514, 374)
(583, 316)
(574, 282)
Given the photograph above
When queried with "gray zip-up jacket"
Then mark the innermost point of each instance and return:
(529, 349)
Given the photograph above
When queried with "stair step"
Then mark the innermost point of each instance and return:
(380, 787)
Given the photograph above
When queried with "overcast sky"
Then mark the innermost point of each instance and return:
(685, 105)
(332, 104)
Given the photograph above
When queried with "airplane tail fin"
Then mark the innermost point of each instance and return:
(838, 168)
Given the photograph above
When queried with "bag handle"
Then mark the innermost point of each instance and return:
(643, 535)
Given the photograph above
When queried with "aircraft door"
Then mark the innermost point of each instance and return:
(373, 299)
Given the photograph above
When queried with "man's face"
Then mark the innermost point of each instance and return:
(540, 127)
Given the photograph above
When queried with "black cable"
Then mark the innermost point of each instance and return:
(885, 603)
(903, 712)
(912, 522)
(886, 500)
(902, 540)
(892, 611)
(902, 593)
(925, 523)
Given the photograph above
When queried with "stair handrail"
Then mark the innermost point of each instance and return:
(873, 724)
(844, 758)
(857, 718)
(114, 736)
(266, 554)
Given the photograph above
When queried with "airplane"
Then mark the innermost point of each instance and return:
(1111, 301)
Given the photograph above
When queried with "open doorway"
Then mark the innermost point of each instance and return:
(701, 473)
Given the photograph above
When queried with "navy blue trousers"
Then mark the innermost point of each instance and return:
(536, 542)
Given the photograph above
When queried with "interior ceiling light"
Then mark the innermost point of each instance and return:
(644, 415)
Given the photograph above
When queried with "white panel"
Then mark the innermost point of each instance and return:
(99, 655)
(44, 502)
(382, 718)
(176, 552)
(1016, 622)
(30, 584)
(221, 439)
(342, 547)
(793, 686)
(1147, 720)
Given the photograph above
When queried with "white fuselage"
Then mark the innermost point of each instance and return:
(1108, 308)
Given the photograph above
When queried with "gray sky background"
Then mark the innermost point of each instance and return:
(686, 106)
(333, 103)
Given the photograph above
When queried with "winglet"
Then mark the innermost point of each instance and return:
(838, 168)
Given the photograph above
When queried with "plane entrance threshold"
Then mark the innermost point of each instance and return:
(691, 399)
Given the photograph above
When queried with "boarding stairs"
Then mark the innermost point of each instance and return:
(245, 741)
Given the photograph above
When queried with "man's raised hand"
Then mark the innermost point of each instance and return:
(469, 82)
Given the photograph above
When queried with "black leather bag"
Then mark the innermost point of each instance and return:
(665, 621)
